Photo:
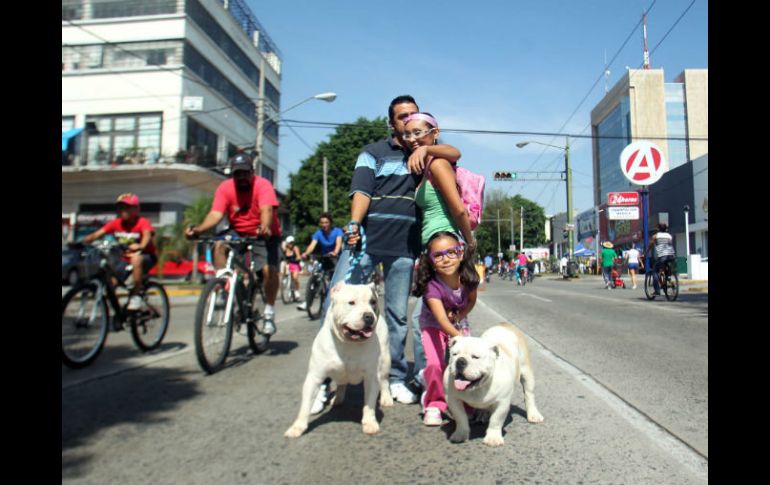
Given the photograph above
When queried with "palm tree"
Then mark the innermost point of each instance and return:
(170, 241)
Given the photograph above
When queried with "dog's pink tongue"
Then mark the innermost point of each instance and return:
(460, 384)
(366, 333)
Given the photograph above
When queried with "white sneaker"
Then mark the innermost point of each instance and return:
(402, 394)
(432, 417)
(302, 306)
(269, 325)
(420, 379)
(633, 287)
(297, 296)
(134, 303)
(320, 400)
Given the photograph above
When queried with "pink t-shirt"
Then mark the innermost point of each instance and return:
(522, 259)
(126, 233)
(242, 208)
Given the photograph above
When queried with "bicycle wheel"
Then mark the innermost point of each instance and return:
(149, 325)
(313, 297)
(286, 289)
(258, 340)
(649, 289)
(212, 334)
(84, 325)
(671, 289)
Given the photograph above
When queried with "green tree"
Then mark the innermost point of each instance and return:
(534, 223)
(170, 243)
(305, 197)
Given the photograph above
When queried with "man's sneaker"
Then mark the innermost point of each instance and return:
(432, 417)
(302, 306)
(402, 394)
(269, 325)
(320, 400)
(134, 303)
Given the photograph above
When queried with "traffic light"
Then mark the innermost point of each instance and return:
(504, 176)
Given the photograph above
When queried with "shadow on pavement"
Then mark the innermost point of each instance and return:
(351, 410)
(479, 430)
(143, 397)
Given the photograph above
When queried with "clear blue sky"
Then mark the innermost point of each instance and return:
(488, 65)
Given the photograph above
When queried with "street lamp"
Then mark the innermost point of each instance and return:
(328, 97)
(568, 172)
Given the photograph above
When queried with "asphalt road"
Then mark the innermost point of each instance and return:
(622, 384)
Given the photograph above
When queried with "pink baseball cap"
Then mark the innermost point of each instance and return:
(128, 199)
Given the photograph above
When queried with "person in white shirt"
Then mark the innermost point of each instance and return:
(634, 263)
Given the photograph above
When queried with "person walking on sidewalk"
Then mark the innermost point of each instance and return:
(608, 259)
(632, 259)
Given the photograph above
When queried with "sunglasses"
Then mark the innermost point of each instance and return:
(416, 134)
(451, 253)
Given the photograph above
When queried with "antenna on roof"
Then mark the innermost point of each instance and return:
(646, 52)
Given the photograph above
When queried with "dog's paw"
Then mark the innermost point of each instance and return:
(386, 401)
(371, 427)
(535, 417)
(460, 435)
(295, 431)
(494, 440)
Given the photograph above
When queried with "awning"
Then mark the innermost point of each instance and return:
(67, 135)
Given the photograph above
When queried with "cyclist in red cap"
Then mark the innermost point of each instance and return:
(135, 232)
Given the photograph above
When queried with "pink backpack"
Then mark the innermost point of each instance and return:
(470, 185)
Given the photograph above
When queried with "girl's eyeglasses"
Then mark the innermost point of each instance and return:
(451, 253)
(416, 134)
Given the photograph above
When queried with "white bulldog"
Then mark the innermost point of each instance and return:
(352, 346)
(482, 372)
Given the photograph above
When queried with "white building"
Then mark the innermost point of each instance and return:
(165, 91)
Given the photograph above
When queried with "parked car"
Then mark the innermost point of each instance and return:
(78, 264)
(183, 269)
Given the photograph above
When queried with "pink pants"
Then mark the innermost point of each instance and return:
(434, 342)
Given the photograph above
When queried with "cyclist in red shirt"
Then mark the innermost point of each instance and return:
(136, 232)
(252, 209)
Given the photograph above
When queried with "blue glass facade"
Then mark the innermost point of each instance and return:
(676, 124)
(616, 124)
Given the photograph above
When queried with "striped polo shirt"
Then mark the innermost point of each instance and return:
(664, 245)
(391, 225)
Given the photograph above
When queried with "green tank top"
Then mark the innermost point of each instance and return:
(435, 213)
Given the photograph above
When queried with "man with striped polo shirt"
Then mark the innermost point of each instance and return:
(382, 192)
(664, 251)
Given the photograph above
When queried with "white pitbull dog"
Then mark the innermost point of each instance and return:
(482, 372)
(352, 346)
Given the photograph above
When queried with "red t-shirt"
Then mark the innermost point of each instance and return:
(242, 208)
(129, 234)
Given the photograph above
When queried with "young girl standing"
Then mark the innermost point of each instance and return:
(447, 282)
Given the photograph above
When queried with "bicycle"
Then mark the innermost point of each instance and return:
(521, 275)
(318, 285)
(288, 295)
(86, 313)
(668, 281)
(226, 301)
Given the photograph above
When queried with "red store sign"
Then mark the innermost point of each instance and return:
(623, 198)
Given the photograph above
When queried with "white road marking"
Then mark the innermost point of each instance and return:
(537, 297)
(669, 442)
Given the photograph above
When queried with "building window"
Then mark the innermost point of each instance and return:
(67, 123)
(124, 139)
(216, 33)
(273, 95)
(129, 55)
(676, 124)
(103, 9)
(268, 173)
(616, 125)
(201, 145)
(211, 75)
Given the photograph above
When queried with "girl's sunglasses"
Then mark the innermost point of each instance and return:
(451, 253)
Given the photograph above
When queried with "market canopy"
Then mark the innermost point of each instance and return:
(581, 250)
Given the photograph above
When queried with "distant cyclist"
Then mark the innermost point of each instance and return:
(135, 232)
(330, 239)
(664, 252)
(291, 256)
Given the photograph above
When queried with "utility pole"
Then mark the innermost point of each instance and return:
(571, 232)
(498, 231)
(326, 190)
(521, 232)
(260, 118)
(513, 240)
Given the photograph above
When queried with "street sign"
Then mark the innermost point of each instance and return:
(192, 103)
(504, 176)
(569, 227)
(623, 198)
(512, 247)
(643, 163)
(623, 213)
